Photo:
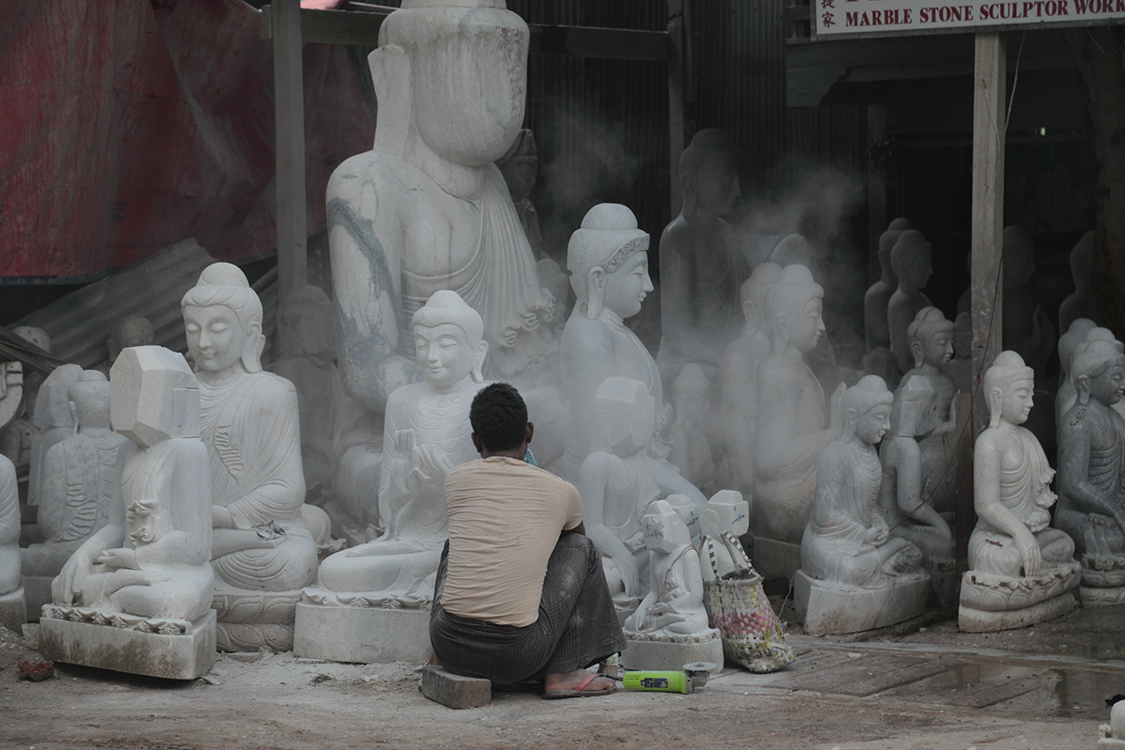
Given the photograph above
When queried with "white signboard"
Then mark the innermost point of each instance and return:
(834, 19)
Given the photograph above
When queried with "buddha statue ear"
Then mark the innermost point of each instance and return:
(390, 74)
(478, 362)
(595, 296)
(851, 416)
(917, 350)
(995, 407)
(780, 333)
(252, 349)
(1082, 385)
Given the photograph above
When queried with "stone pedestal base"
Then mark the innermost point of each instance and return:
(364, 635)
(173, 657)
(1103, 581)
(833, 610)
(252, 620)
(1101, 597)
(775, 559)
(13, 610)
(990, 603)
(973, 620)
(661, 655)
(36, 593)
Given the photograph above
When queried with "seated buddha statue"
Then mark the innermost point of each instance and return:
(608, 266)
(427, 433)
(263, 552)
(910, 258)
(426, 209)
(876, 328)
(701, 264)
(1021, 570)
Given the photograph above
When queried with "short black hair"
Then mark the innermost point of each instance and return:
(499, 417)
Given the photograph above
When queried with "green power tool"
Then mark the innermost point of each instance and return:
(691, 677)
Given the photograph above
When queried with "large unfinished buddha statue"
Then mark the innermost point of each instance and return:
(426, 209)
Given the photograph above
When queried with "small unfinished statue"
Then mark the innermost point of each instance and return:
(855, 575)
(148, 570)
(1021, 571)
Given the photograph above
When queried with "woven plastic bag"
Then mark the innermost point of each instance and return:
(738, 607)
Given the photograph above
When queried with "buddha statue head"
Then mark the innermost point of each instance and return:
(624, 411)
(887, 241)
(963, 336)
(931, 338)
(34, 336)
(89, 401)
(865, 410)
(1019, 256)
(664, 530)
(1070, 340)
(449, 342)
(223, 322)
(915, 410)
(155, 396)
(133, 330)
(691, 390)
(308, 325)
(726, 511)
(1103, 334)
(793, 249)
(793, 308)
(1082, 262)
(752, 295)
(454, 73)
(910, 259)
(688, 512)
(1098, 370)
(708, 173)
(608, 262)
(520, 165)
(1009, 385)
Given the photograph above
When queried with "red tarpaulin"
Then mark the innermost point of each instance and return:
(127, 125)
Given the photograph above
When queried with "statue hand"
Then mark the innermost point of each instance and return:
(878, 534)
(69, 578)
(834, 417)
(121, 557)
(1030, 553)
(627, 567)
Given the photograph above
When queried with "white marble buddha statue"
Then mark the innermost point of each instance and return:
(793, 424)
(701, 264)
(726, 511)
(427, 433)
(426, 209)
(263, 552)
(1080, 304)
(1021, 569)
(910, 258)
(876, 327)
(1068, 342)
(738, 373)
(13, 609)
(152, 559)
(608, 263)
(1068, 391)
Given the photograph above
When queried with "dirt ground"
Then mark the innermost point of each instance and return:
(260, 701)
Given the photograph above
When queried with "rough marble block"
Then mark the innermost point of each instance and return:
(832, 610)
(453, 690)
(364, 635)
(13, 610)
(664, 655)
(1101, 597)
(173, 657)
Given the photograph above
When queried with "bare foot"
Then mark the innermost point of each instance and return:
(571, 681)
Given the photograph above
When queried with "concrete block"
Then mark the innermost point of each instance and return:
(453, 690)
(363, 635)
(661, 655)
(834, 610)
(13, 610)
(173, 657)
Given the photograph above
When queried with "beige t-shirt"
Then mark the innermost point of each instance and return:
(505, 517)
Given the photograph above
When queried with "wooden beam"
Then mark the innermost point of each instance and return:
(677, 137)
(362, 28)
(289, 109)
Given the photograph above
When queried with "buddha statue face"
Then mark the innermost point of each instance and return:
(807, 326)
(717, 188)
(931, 338)
(1099, 372)
(449, 342)
(873, 424)
(1109, 386)
(1010, 385)
(215, 337)
(1018, 398)
(131, 331)
(866, 410)
(708, 174)
(626, 288)
(910, 259)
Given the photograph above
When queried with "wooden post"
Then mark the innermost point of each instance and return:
(876, 191)
(677, 65)
(289, 109)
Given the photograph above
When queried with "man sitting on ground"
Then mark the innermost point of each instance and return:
(520, 593)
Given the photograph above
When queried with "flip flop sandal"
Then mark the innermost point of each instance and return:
(578, 692)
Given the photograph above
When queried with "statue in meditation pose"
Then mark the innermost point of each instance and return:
(848, 541)
(81, 484)
(53, 422)
(876, 327)
(132, 330)
(617, 486)
(608, 266)
(1080, 304)
(427, 433)
(263, 552)
(1092, 471)
(701, 264)
(673, 607)
(1021, 571)
(151, 562)
(426, 209)
(738, 374)
(1068, 392)
(793, 425)
(910, 258)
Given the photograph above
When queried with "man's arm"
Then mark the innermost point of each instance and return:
(579, 529)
